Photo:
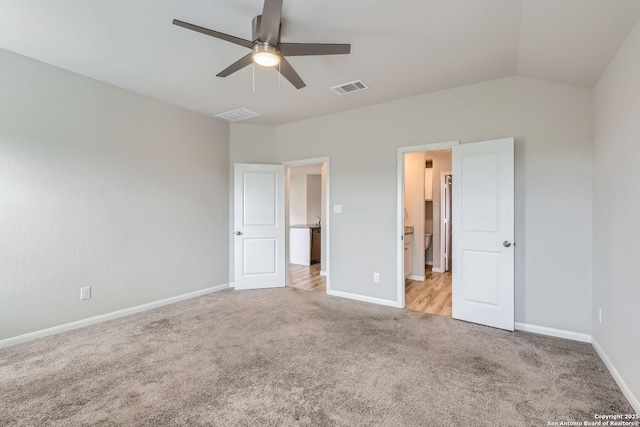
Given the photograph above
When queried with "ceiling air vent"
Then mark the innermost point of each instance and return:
(350, 87)
(238, 114)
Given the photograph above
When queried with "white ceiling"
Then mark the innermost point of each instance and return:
(399, 48)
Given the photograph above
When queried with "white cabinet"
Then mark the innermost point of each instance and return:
(300, 246)
(428, 184)
(408, 239)
(304, 245)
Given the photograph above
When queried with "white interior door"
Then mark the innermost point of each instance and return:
(483, 229)
(259, 226)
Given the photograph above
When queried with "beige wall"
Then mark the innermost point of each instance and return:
(414, 204)
(101, 187)
(297, 199)
(314, 195)
(305, 197)
(551, 124)
(616, 210)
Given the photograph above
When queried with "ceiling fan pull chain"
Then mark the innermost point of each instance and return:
(279, 76)
(254, 77)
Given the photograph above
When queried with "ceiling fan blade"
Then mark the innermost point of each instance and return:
(290, 74)
(270, 21)
(212, 33)
(238, 65)
(303, 49)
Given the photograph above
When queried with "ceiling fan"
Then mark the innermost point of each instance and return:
(266, 49)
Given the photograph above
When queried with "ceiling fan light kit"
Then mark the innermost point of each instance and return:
(265, 55)
(266, 49)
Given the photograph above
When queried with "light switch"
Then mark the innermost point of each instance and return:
(337, 208)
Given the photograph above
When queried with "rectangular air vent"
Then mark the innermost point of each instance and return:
(237, 115)
(350, 87)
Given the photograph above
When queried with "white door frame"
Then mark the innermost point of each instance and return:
(436, 146)
(443, 238)
(327, 220)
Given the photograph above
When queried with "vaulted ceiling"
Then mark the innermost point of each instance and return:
(399, 48)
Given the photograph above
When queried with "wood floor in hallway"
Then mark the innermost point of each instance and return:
(431, 296)
(308, 278)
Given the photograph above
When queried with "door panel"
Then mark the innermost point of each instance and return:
(259, 226)
(483, 220)
(260, 256)
(480, 192)
(482, 286)
(259, 198)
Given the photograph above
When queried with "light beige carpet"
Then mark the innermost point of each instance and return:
(293, 357)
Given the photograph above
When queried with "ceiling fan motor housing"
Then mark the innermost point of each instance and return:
(255, 29)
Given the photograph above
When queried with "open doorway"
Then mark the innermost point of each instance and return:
(481, 226)
(427, 238)
(307, 235)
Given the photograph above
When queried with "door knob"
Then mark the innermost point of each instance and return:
(238, 233)
(506, 244)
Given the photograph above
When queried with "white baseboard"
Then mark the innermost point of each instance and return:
(428, 263)
(560, 333)
(108, 316)
(364, 298)
(437, 270)
(633, 400)
(323, 273)
(232, 285)
(416, 277)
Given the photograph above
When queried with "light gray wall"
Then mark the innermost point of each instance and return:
(101, 187)
(616, 209)
(414, 204)
(552, 126)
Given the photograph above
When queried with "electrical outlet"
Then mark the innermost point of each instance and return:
(85, 293)
(376, 277)
(600, 314)
(337, 209)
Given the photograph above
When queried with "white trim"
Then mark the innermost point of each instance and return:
(438, 270)
(287, 228)
(552, 332)
(327, 216)
(108, 316)
(428, 263)
(416, 277)
(400, 206)
(304, 162)
(232, 285)
(633, 400)
(380, 301)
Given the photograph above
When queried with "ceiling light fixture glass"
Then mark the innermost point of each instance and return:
(265, 55)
